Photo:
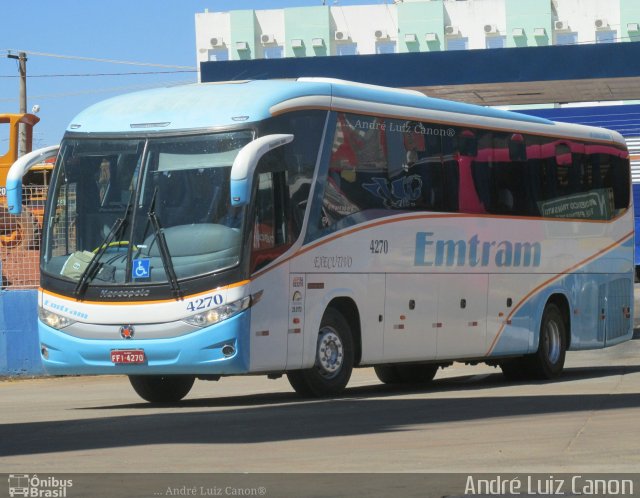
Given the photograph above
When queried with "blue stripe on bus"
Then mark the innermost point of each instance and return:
(587, 328)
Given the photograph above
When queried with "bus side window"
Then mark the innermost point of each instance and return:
(451, 173)
(270, 224)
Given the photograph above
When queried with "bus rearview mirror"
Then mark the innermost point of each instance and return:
(245, 163)
(18, 169)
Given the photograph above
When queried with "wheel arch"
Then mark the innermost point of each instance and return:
(347, 307)
(561, 301)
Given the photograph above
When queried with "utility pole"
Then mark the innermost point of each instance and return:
(22, 64)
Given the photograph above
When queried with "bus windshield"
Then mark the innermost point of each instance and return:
(137, 210)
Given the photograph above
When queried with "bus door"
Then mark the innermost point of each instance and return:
(271, 237)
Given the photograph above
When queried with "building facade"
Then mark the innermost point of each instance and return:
(412, 26)
(404, 26)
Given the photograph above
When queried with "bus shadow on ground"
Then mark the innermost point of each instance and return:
(446, 384)
(361, 411)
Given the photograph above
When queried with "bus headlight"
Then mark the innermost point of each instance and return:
(53, 320)
(219, 314)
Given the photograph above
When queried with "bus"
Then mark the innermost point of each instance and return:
(308, 227)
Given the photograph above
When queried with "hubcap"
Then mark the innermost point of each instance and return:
(552, 341)
(330, 353)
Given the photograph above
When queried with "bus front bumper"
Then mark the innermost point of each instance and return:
(205, 351)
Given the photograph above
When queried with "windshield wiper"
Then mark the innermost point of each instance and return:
(90, 271)
(163, 248)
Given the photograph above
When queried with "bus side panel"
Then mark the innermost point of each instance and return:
(411, 309)
(510, 333)
(600, 310)
(462, 311)
(366, 291)
(269, 317)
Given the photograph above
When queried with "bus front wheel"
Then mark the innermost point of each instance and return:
(162, 388)
(334, 359)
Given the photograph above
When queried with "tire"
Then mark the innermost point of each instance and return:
(162, 388)
(334, 359)
(406, 374)
(514, 369)
(548, 361)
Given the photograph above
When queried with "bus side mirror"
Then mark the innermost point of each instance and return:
(246, 162)
(18, 170)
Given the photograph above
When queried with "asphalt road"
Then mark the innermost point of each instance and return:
(468, 420)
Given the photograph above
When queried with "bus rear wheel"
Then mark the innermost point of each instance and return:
(162, 388)
(334, 359)
(548, 361)
(406, 374)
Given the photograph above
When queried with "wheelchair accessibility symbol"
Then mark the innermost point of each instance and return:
(141, 268)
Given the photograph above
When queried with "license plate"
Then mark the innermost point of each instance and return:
(127, 356)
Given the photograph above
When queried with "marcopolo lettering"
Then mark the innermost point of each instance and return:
(475, 252)
(128, 293)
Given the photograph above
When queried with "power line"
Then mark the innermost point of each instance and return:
(96, 59)
(72, 75)
(100, 90)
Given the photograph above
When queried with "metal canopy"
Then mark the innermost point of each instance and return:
(530, 75)
(539, 92)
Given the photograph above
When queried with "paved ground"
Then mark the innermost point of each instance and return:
(469, 420)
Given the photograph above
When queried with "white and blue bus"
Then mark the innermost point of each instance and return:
(308, 227)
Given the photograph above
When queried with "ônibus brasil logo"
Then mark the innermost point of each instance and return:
(34, 486)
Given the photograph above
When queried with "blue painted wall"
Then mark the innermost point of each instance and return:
(567, 62)
(19, 345)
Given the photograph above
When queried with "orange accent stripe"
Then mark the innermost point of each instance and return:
(551, 280)
(358, 228)
(135, 303)
(386, 221)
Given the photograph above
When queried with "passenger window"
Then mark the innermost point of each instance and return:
(379, 166)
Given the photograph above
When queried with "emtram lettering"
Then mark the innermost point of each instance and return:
(473, 252)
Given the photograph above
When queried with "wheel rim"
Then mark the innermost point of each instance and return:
(552, 341)
(330, 355)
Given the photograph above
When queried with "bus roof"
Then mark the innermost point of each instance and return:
(210, 105)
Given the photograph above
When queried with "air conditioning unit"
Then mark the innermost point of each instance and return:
(381, 34)
(539, 32)
(297, 43)
(490, 29)
(633, 26)
(267, 39)
(410, 38)
(431, 37)
(242, 45)
(341, 36)
(561, 25)
(518, 32)
(601, 23)
(317, 42)
(216, 41)
(451, 30)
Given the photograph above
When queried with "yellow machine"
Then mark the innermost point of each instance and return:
(23, 230)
